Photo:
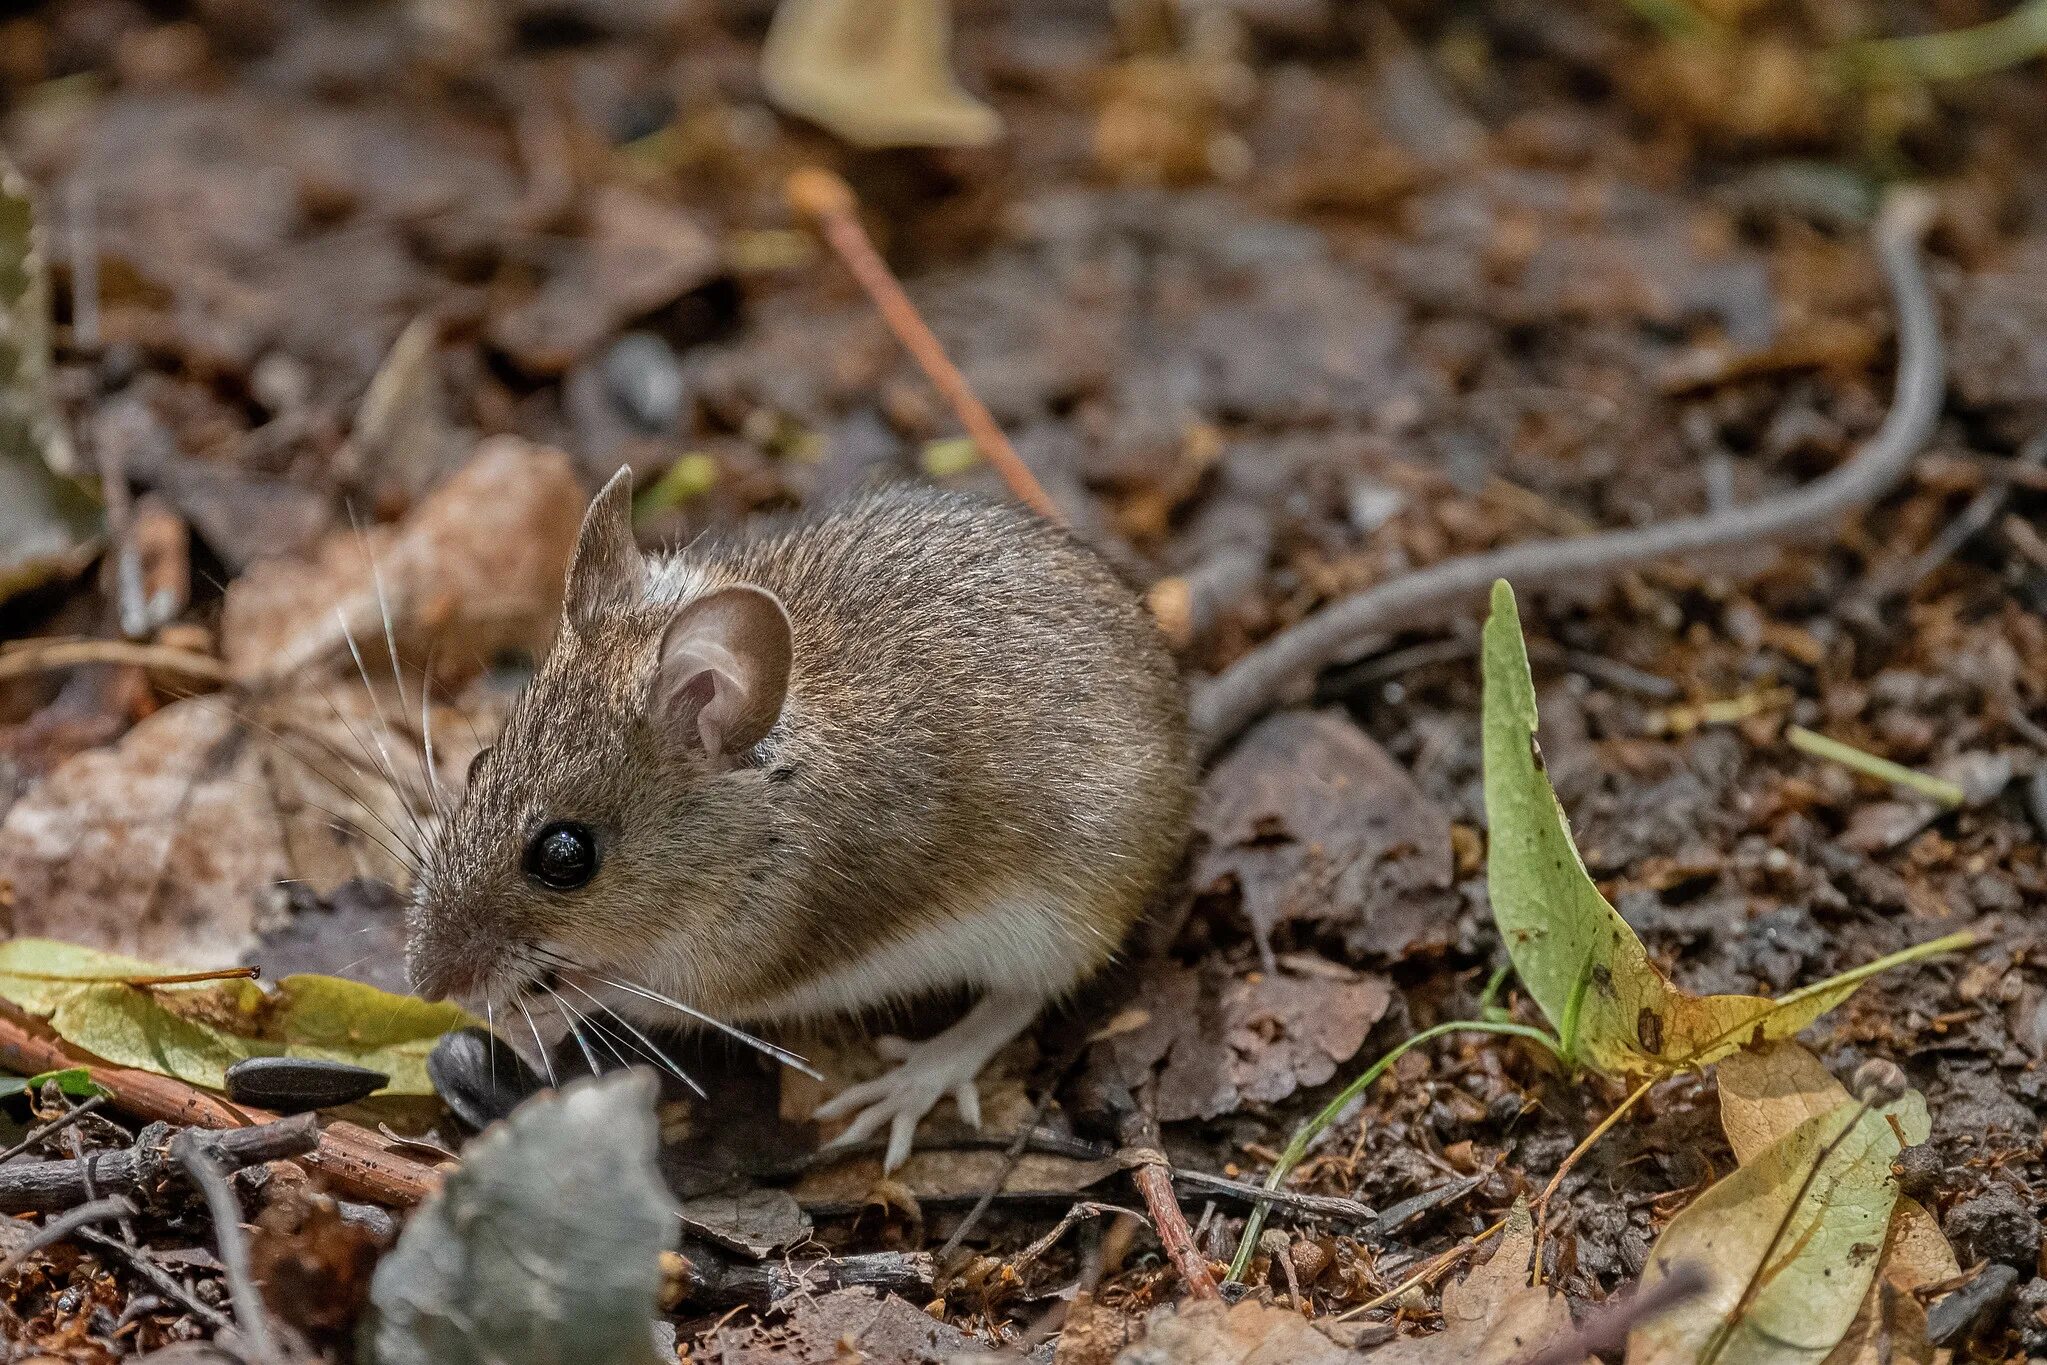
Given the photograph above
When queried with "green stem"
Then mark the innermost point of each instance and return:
(1961, 54)
(1869, 765)
(1676, 18)
(1297, 1146)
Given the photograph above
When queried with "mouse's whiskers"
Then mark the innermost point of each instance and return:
(546, 1057)
(646, 1045)
(780, 1054)
(575, 1021)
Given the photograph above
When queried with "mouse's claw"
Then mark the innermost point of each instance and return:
(899, 1098)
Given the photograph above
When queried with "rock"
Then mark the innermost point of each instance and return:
(1994, 1226)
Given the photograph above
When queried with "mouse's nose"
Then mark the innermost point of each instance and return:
(438, 973)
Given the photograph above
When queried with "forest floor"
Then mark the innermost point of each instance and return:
(1279, 303)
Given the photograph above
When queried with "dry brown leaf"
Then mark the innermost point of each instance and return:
(876, 75)
(1250, 1333)
(845, 1325)
(475, 570)
(1314, 821)
(1495, 1315)
(1219, 1042)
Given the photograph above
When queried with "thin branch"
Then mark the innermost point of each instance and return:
(161, 1280)
(62, 1226)
(1265, 676)
(53, 1127)
(189, 1150)
(820, 195)
(44, 654)
(356, 1163)
(1153, 1176)
(46, 1186)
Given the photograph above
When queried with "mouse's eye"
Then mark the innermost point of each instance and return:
(563, 856)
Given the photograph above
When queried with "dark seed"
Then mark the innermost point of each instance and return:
(292, 1085)
(479, 1077)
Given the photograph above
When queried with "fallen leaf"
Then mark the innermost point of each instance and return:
(1767, 1093)
(878, 76)
(1315, 822)
(1247, 1333)
(880, 1330)
(405, 439)
(196, 1031)
(1494, 1315)
(755, 1222)
(1219, 1042)
(1613, 1008)
(475, 571)
(75, 1081)
(173, 843)
(641, 255)
(1827, 1256)
(543, 1246)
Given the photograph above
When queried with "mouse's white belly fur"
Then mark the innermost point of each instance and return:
(1020, 941)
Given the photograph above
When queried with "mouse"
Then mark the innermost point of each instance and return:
(922, 741)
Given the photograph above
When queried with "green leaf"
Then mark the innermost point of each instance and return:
(74, 1081)
(196, 1031)
(1580, 961)
(1821, 1265)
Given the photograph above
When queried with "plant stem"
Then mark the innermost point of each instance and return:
(1869, 765)
(1961, 53)
(1297, 1145)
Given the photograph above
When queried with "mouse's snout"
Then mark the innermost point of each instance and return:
(444, 966)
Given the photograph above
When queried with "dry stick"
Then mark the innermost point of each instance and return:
(38, 656)
(53, 1127)
(62, 1226)
(190, 1152)
(1153, 1176)
(817, 193)
(1606, 1328)
(46, 1186)
(1263, 677)
(162, 1280)
(354, 1161)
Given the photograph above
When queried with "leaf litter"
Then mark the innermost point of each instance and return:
(1350, 300)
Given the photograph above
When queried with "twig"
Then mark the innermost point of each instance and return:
(1011, 1157)
(53, 1127)
(1261, 678)
(712, 1280)
(817, 193)
(46, 1186)
(164, 1282)
(1153, 1176)
(1869, 765)
(1970, 522)
(62, 1226)
(1430, 1268)
(42, 655)
(1313, 1205)
(190, 1151)
(1606, 1328)
(352, 1159)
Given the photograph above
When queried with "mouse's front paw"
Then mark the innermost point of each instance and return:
(924, 1075)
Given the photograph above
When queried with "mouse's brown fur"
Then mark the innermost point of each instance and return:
(980, 776)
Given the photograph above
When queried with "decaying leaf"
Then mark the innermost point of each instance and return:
(1492, 1317)
(1822, 1265)
(877, 75)
(1314, 821)
(1765, 1094)
(196, 1031)
(880, 1330)
(543, 1247)
(1219, 1041)
(475, 570)
(47, 524)
(1613, 1008)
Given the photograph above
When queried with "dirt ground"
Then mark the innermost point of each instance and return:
(1280, 299)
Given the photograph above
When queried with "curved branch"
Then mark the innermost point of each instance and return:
(1259, 680)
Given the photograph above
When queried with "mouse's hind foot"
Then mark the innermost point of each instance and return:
(927, 1072)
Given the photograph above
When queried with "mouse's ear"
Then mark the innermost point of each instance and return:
(608, 570)
(723, 672)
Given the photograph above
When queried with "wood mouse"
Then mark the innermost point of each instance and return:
(923, 741)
